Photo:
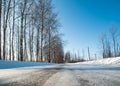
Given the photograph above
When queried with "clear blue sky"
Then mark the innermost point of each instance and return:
(84, 20)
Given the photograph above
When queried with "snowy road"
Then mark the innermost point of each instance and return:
(62, 75)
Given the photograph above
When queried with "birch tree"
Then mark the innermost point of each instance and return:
(0, 25)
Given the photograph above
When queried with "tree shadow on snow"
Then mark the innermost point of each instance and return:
(18, 64)
(90, 68)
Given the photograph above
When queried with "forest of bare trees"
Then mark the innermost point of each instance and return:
(109, 46)
(29, 31)
(110, 43)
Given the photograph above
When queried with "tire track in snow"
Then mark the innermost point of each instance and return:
(62, 78)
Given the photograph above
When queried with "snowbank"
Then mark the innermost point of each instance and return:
(115, 60)
(18, 64)
(16, 68)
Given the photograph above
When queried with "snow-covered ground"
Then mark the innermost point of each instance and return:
(18, 64)
(16, 68)
(115, 60)
(92, 73)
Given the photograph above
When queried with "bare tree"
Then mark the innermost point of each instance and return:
(67, 56)
(29, 33)
(4, 12)
(103, 44)
(113, 32)
(0, 25)
(13, 26)
(49, 44)
(18, 39)
(25, 48)
(32, 40)
(5, 27)
(24, 3)
(88, 53)
(106, 46)
(9, 39)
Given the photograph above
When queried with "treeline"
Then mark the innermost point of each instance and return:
(73, 57)
(109, 47)
(29, 31)
(110, 43)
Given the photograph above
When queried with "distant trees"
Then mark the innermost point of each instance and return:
(71, 58)
(88, 53)
(114, 37)
(106, 47)
(110, 44)
(103, 45)
(53, 49)
(67, 57)
(30, 31)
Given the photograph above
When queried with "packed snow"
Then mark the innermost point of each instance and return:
(17, 68)
(15, 73)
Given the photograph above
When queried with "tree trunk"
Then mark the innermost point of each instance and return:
(4, 12)
(18, 42)
(10, 41)
(13, 29)
(25, 49)
(21, 32)
(32, 40)
(0, 25)
(37, 46)
(88, 53)
(21, 38)
(49, 45)
(5, 27)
